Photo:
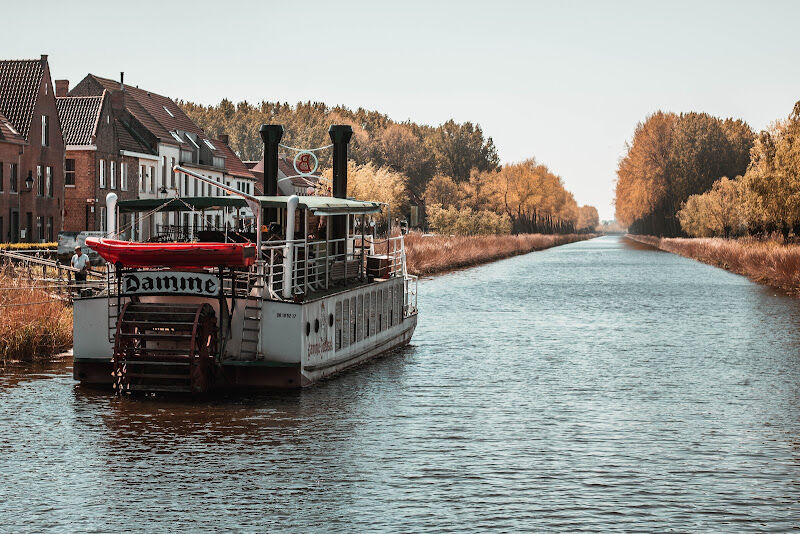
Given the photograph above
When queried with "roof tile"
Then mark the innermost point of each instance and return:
(20, 80)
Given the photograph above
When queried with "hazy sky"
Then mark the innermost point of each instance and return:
(565, 82)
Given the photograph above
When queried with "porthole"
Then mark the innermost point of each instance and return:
(308, 329)
(330, 320)
(316, 325)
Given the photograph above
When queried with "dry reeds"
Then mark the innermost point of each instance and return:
(431, 254)
(767, 262)
(34, 323)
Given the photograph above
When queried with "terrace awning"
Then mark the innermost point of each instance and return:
(315, 204)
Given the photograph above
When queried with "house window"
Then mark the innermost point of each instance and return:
(142, 175)
(1, 229)
(113, 170)
(28, 227)
(123, 176)
(40, 229)
(12, 177)
(151, 174)
(45, 130)
(102, 173)
(102, 218)
(39, 181)
(69, 172)
(50, 234)
(185, 184)
(163, 171)
(50, 181)
(172, 173)
(1, 188)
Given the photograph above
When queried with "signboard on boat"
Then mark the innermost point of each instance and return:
(170, 283)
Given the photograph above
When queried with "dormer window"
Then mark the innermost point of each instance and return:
(176, 136)
(168, 112)
(189, 137)
(208, 144)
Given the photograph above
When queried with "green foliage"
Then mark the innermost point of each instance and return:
(465, 221)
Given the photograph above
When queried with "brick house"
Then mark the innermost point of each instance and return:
(31, 153)
(169, 134)
(104, 153)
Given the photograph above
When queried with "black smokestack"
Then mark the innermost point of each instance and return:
(271, 134)
(340, 135)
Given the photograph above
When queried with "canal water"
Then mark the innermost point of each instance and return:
(599, 385)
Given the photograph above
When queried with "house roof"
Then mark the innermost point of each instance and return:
(20, 80)
(129, 139)
(157, 113)
(79, 116)
(8, 133)
(162, 116)
(233, 165)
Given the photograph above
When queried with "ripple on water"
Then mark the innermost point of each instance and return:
(592, 386)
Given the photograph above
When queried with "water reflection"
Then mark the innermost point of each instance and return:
(594, 386)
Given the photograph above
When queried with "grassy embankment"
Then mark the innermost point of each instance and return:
(34, 324)
(766, 262)
(436, 254)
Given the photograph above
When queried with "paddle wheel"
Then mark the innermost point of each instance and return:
(165, 348)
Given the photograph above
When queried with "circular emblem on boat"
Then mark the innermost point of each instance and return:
(305, 163)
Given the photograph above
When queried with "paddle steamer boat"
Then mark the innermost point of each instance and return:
(311, 297)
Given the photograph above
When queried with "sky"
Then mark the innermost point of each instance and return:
(564, 82)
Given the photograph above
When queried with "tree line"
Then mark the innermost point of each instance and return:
(453, 170)
(719, 179)
(672, 157)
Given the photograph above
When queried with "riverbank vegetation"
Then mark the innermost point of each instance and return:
(430, 170)
(430, 254)
(697, 175)
(768, 262)
(672, 157)
(34, 324)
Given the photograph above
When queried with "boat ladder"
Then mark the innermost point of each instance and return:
(251, 325)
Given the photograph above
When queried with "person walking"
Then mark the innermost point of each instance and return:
(80, 261)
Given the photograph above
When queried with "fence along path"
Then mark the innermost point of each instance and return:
(50, 275)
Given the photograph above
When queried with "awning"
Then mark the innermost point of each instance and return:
(315, 204)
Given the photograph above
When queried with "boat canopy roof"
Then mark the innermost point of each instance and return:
(317, 205)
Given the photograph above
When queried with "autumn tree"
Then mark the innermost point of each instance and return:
(671, 158)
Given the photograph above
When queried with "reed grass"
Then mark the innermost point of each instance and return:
(767, 262)
(430, 254)
(35, 324)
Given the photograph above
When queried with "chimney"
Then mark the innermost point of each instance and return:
(340, 135)
(224, 138)
(44, 58)
(121, 81)
(117, 100)
(62, 87)
(271, 134)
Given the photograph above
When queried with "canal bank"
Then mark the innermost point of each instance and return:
(765, 262)
(435, 254)
(598, 385)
